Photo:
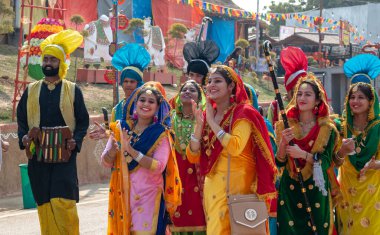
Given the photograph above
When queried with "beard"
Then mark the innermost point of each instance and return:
(49, 71)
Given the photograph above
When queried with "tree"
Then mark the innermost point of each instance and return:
(282, 7)
(135, 25)
(77, 20)
(177, 31)
(6, 18)
(241, 42)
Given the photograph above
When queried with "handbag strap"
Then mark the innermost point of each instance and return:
(229, 161)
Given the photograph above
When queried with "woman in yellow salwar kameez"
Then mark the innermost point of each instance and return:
(252, 163)
(359, 174)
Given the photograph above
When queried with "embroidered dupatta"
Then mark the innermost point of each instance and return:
(119, 220)
(317, 138)
(369, 139)
(241, 109)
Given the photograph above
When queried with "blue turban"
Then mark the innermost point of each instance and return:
(362, 68)
(131, 60)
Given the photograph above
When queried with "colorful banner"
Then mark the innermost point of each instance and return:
(313, 22)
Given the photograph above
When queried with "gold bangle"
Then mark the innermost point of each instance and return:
(338, 157)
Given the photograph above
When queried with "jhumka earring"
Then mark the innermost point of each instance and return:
(155, 118)
(232, 99)
(315, 110)
(134, 117)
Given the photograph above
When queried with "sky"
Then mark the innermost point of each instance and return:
(251, 5)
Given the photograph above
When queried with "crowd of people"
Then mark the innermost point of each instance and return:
(170, 158)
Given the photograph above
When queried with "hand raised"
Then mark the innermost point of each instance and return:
(127, 142)
(210, 115)
(114, 146)
(198, 113)
(98, 133)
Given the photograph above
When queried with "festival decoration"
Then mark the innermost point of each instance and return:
(122, 24)
(44, 28)
(314, 23)
(110, 76)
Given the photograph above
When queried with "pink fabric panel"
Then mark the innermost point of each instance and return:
(87, 9)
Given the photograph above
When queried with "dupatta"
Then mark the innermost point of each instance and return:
(262, 154)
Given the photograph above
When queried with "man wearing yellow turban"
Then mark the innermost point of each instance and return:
(54, 102)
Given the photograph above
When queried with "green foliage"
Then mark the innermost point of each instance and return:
(282, 7)
(311, 61)
(6, 18)
(77, 20)
(177, 30)
(135, 24)
(85, 33)
(241, 42)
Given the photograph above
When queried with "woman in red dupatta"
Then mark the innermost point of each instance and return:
(230, 126)
(315, 138)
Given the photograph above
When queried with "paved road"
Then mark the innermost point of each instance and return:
(92, 210)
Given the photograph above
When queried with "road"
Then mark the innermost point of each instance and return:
(92, 210)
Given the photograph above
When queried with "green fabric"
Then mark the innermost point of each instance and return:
(294, 220)
(369, 139)
(183, 128)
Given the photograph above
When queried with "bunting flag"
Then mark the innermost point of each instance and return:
(308, 21)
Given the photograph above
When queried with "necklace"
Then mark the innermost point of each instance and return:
(359, 136)
(360, 128)
(138, 130)
(51, 85)
(306, 126)
(183, 128)
(187, 116)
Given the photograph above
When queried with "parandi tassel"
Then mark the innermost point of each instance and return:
(318, 177)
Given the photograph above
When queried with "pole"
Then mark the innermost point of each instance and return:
(116, 84)
(257, 34)
(320, 34)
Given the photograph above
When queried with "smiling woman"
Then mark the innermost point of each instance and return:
(139, 151)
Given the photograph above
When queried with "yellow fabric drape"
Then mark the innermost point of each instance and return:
(66, 103)
(119, 212)
(360, 207)
(59, 216)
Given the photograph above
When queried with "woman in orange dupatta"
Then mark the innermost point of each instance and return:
(145, 180)
(252, 168)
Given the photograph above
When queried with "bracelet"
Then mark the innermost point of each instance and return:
(281, 159)
(139, 157)
(220, 134)
(194, 139)
(338, 157)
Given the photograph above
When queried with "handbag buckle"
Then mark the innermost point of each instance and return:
(250, 214)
